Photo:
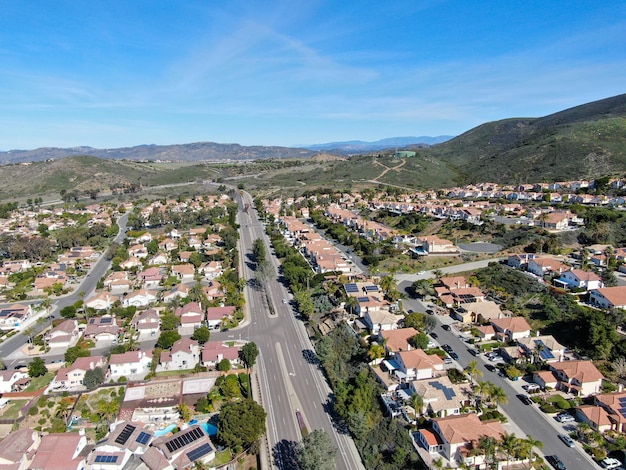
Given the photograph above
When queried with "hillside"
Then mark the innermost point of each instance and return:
(581, 142)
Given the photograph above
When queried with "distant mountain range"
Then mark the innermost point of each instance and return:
(212, 151)
(359, 146)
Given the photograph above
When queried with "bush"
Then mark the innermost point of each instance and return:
(549, 408)
(33, 411)
(122, 379)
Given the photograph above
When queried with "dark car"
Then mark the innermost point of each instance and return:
(556, 462)
(446, 327)
(525, 399)
(430, 312)
(446, 347)
(454, 355)
(490, 367)
(434, 335)
(473, 352)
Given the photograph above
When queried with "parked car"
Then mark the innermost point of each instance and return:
(525, 399)
(565, 418)
(434, 335)
(610, 463)
(568, 441)
(447, 360)
(446, 347)
(495, 358)
(454, 355)
(446, 327)
(490, 368)
(430, 311)
(472, 351)
(556, 462)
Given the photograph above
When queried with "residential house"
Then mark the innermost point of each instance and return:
(613, 404)
(381, 320)
(72, 378)
(63, 335)
(477, 311)
(215, 351)
(103, 328)
(138, 251)
(520, 261)
(545, 379)
(184, 355)
(61, 451)
(609, 297)
(398, 340)
(440, 396)
(150, 278)
(211, 270)
(432, 244)
(511, 328)
(579, 279)
(101, 301)
(126, 439)
(17, 449)
(158, 259)
(130, 263)
(596, 417)
(130, 363)
(191, 317)
(181, 450)
(117, 282)
(416, 364)
(140, 298)
(177, 292)
(456, 436)
(8, 379)
(13, 316)
(147, 322)
(543, 266)
(216, 315)
(544, 348)
(184, 272)
(578, 377)
(213, 291)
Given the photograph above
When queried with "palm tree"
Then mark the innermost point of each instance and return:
(438, 463)
(482, 388)
(509, 444)
(107, 409)
(531, 443)
(473, 370)
(376, 351)
(498, 395)
(488, 445)
(351, 304)
(417, 403)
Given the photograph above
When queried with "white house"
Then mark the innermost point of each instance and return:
(184, 355)
(13, 316)
(8, 378)
(215, 351)
(511, 328)
(416, 364)
(147, 323)
(579, 279)
(191, 317)
(130, 363)
(72, 378)
(64, 335)
(609, 297)
(140, 298)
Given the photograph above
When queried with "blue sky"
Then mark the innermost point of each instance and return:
(128, 72)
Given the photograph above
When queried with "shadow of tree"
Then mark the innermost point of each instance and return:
(285, 455)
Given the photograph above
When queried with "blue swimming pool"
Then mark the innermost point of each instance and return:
(208, 428)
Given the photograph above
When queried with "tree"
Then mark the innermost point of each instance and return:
(473, 370)
(202, 334)
(30, 333)
(249, 353)
(241, 423)
(509, 444)
(169, 321)
(167, 339)
(37, 368)
(73, 353)
(107, 409)
(498, 395)
(185, 412)
(420, 341)
(93, 378)
(488, 445)
(316, 451)
(376, 351)
(530, 444)
(223, 365)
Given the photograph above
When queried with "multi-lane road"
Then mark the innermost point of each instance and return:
(290, 379)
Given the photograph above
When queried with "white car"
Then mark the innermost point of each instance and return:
(566, 418)
(610, 463)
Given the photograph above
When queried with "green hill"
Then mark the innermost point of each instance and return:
(581, 142)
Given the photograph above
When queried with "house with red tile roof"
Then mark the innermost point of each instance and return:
(130, 363)
(577, 377)
(542, 266)
(184, 355)
(215, 351)
(63, 335)
(17, 449)
(456, 436)
(140, 298)
(398, 340)
(147, 322)
(511, 328)
(61, 451)
(184, 272)
(191, 317)
(416, 364)
(104, 328)
(613, 404)
(215, 315)
(595, 416)
(609, 297)
(579, 279)
(72, 378)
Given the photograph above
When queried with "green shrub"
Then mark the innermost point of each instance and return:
(33, 411)
(549, 408)
(42, 421)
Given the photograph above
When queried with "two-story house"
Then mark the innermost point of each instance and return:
(215, 351)
(191, 317)
(147, 323)
(416, 364)
(63, 335)
(511, 328)
(609, 297)
(579, 279)
(577, 377)
(184, 355)
(129, 364)
(72, 378)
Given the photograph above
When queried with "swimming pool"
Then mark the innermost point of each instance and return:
(208, 428)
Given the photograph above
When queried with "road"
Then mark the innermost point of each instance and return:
(527, 417)
(290, 377)
(87, 286)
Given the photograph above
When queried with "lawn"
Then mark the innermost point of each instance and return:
(12, 411)
(40, 382)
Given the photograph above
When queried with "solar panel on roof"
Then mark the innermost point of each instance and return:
(351, 288)
(371, 288)
(184, 439)
(125, 434)
(622, 400)
(106, 320)
(105, 459)
(448, 392)
(143, 438)
(622, 411)
(199, 452)
(363, 299)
